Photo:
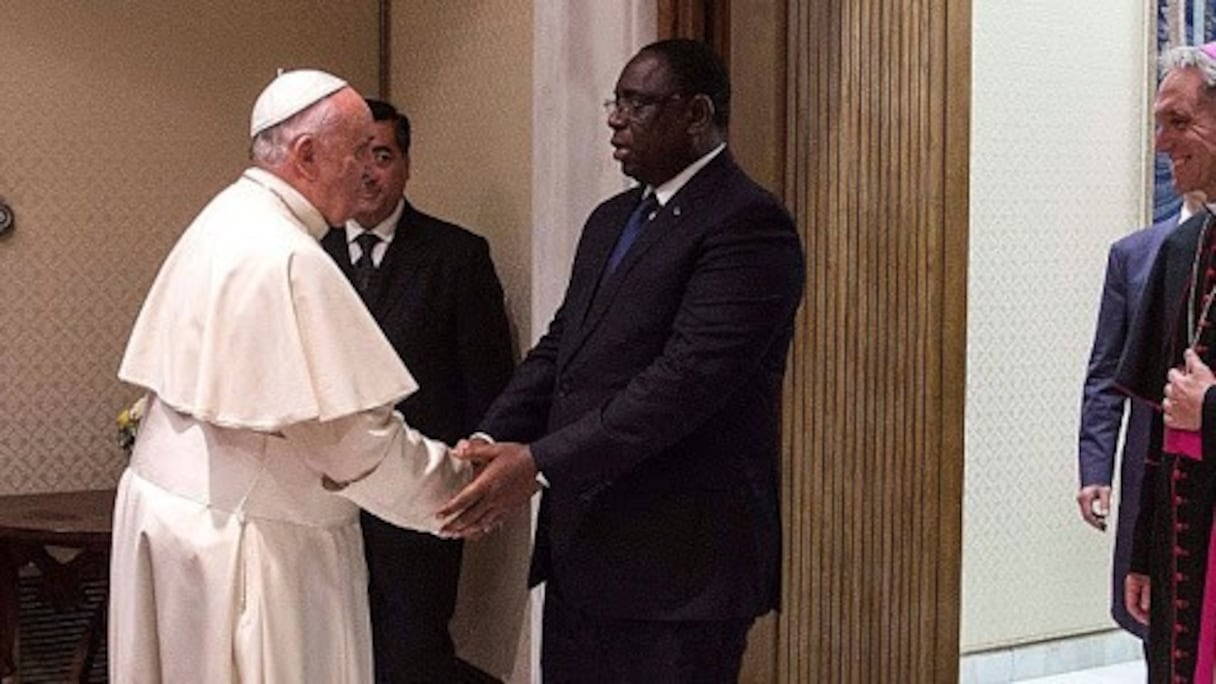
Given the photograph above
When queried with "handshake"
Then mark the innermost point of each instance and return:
(504, 479)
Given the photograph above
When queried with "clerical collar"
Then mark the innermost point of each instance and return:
(1185, 212)
(292, 199)
(385, 230)
(667, 190)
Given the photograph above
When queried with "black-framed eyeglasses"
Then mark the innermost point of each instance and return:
(632, 106)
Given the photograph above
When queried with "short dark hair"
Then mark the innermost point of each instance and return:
(383, 111)
(698, 70)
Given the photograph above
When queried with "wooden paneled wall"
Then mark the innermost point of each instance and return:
(705, 20)
(876, 174)
(873, 161)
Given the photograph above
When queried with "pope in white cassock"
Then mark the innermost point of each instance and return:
(237, 555)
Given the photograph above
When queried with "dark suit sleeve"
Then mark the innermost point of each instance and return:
(521, 412)
(1146, 351)
(483, 335)
(1102, 403)
(1141, 374)
(745, 284)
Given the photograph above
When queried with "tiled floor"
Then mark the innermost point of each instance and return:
(1110, 656)
(1123, 673)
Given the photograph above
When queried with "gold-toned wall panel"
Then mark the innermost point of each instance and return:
(876, 175)
(119, 120)
(758, 84)
(463, 73)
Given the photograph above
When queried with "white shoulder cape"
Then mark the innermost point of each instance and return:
(250, 324)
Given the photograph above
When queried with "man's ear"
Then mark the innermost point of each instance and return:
(304, 156)
(700, 113)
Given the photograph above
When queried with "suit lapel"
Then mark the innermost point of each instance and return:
(334, 243)
(404, 250)
(658, 228)
(689, 201)
(600, 241)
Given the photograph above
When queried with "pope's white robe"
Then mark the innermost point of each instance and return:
(231, 561)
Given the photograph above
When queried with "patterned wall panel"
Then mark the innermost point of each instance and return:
(1057, 173)
(117, 122)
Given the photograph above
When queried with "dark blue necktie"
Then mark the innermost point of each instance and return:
(633, 227)
(365, 266)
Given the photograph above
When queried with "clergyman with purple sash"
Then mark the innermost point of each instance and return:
(1171, 584)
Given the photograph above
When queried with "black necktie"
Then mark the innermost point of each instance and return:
(633, 227)
(365, 266)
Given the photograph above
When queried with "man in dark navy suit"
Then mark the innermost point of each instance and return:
(649, 412)
(432, 288)
(1102, 405)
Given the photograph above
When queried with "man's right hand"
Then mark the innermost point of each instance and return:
(1135, 595)
(505, 481)
(1094, 501)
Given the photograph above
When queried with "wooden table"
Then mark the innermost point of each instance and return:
(29, 523)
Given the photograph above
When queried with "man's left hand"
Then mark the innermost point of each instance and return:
(506, 482)
(1183, 403)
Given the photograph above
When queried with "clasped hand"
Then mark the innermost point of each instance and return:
(1184, 390)
(504, 480)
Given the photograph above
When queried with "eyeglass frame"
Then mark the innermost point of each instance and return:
(630, 106)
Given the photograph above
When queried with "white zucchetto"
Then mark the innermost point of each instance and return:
(290, 93)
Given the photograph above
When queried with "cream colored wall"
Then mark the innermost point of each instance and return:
(117, 122)
(1058, 142)
(758, 97)
(463, 73)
